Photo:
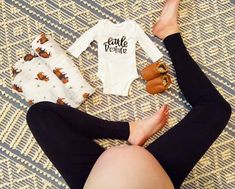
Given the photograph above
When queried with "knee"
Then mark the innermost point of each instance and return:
(37, 110)
(226, 109)
(221, 111)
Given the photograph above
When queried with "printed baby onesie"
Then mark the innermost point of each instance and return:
(116, 52)
(49, 74)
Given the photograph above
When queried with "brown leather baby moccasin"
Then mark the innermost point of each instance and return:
(159, 84)
(154, 70)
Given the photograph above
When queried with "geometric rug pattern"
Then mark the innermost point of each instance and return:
(208, 30)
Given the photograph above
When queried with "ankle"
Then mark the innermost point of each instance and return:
(167, 23)
(165, 30)
(170, 31)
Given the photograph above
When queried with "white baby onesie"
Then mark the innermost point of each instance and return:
(116, 52)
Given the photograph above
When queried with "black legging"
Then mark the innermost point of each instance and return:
(65, 134)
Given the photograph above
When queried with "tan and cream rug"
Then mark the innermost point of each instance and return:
(208, 29)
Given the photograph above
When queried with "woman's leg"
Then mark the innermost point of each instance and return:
(179, 149)
(65, 135)
(87, 125)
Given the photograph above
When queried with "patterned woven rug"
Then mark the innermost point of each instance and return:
(208, 29)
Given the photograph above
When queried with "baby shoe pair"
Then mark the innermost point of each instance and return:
(157, 78)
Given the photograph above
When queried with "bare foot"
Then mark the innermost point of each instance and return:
(141, 130)
(167, 23)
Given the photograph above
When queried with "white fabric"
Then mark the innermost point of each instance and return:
(62, 82)
(116, 52)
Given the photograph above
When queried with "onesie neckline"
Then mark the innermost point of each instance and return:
(117, 24)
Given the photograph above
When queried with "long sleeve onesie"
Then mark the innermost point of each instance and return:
(116, 52)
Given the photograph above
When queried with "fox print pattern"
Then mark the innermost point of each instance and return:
(42, 53)
(14, 71)
(61, 101)
(17, 88)
(60, 75)
(30, 102)
(46, 73)
(29, 57)
(41, 76)
(43, 39)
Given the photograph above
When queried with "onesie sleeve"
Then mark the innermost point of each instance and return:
(147, 45)
(82, 43)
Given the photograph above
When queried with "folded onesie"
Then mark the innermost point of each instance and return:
(116, 52)
(49, 74)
